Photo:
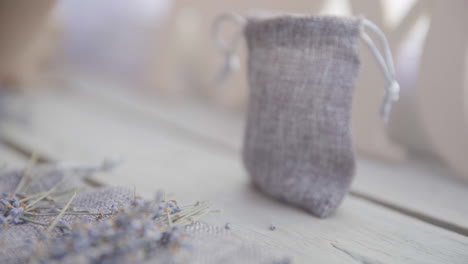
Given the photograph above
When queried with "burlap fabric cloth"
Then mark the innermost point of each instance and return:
(207, 244)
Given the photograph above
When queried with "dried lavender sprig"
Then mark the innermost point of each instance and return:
(55, 196)
(193, 211)
(55, 192)
(27, 172)
(33, 196)
(66, 213)
(60, 215)
(44, 195)
(181, 216)
(169, 219)
(19, 205)
(186, 216)
(45, 208)
(33, 221)
(131, 233)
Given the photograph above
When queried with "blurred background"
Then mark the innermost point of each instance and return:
(163, 51)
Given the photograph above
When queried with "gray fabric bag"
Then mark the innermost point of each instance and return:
(301, 71)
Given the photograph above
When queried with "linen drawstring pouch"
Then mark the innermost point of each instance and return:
(301, 72)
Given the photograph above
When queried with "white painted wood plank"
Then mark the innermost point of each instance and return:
(419, 187)
(74, 127)
(9, 158)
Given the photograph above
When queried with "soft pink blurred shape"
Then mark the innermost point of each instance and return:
(442, 85)
(190, 60)
(431, 118)
(112, 37)
(406, 127)
(23, 40)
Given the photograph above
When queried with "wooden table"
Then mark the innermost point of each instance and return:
(415, 212)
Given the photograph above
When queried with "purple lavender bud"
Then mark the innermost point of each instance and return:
(62, 223)
(157, 215)
(272, 227)
(20, 195)
(14, 202)
(114, 208)
(16, 212)
(137, 202)
(17, 221)
(169, 236)
(3, 220)
(54, 210)
(175, 210)
(4, 202)
(157, 236)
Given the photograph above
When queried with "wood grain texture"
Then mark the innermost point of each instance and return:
(78, 127)
(421, 188)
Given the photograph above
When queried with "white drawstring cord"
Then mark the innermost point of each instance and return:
(231, 62)
(392, 88)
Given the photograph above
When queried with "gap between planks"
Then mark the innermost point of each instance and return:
(13, 148)
(9, 158)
